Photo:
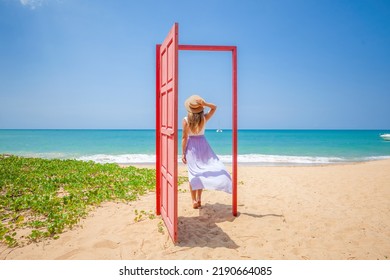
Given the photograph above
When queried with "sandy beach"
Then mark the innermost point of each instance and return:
(333, 212)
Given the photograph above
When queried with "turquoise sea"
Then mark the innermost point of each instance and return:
(263, 147)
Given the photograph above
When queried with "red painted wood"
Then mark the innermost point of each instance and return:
(167, 126)
(233, 49)
(205, 48)
(168, 145)
(234, 132)
(158, 132)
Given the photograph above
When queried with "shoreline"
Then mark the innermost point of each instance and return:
(328, 212)
(243, 159)
(252, 164)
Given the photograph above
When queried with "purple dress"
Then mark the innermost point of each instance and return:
(205, 170)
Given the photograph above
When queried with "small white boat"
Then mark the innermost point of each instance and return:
(218, 129)
(385, 136)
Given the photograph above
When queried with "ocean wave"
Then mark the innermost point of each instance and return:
(249, 158)
(120, 159)
(260, 159)
(376, 158)
(282, 159)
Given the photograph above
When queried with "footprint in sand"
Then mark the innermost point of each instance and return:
(106, 244)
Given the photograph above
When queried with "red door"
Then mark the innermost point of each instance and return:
(167, 86)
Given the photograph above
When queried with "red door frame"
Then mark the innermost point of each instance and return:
(233, 49)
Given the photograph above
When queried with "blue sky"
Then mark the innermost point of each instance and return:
(91, 64)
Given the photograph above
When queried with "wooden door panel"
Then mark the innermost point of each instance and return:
(168, 130)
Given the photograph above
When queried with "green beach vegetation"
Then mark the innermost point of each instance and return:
(40, 198)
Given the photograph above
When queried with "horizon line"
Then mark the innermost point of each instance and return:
(206, 128)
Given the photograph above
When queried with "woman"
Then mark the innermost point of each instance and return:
(205, 170)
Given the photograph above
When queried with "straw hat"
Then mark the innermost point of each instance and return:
(192, 105)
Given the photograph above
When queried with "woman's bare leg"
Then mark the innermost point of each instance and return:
(193, 197)
(199, 197)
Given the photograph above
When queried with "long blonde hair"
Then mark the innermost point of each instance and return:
(195, 121)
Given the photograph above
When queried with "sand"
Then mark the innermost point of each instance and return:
(334, 212)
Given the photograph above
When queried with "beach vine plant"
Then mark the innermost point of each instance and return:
(40, 198)
(142, 215)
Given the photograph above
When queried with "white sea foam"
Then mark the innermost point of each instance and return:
(245, 159)
(282, 160)
(120, 159)
(376, 158)
(250, 158)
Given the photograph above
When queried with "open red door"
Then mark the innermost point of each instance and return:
(166, 130)
(167, 125)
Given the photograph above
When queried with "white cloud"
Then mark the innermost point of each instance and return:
(32, 3)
